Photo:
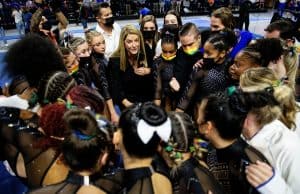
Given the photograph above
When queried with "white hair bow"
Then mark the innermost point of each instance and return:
(146, 131)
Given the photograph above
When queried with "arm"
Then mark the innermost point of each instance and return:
(62, 20)
(114, 117)
(157, 82)
(190, 90)
(126, 102)
(261, 176)
(99, 72)
(114, 80)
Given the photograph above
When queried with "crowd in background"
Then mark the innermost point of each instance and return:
(148, 110)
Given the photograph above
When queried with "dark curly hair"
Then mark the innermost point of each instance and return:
(33, 56)
(269, 48)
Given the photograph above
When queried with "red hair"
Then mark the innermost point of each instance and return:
(51, 122)
(83, 96)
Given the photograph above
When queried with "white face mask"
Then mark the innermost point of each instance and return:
(14, 102)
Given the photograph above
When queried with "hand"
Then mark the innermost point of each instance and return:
(258, 173)
(157, 102)
(142, 71)
(27, 93)
(114, 117)
(178, 110)
(198, 64)
(174, 84)
(126, 103)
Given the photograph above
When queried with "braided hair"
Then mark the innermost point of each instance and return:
(182, 138)
(53, 86)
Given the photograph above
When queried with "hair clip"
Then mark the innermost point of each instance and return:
(169, 148)
(277, 83)
(33, 99)
(231, 90)
(192, 149)
(269, 89)
(178, 155)
(82, 136)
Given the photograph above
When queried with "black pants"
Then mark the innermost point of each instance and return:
(244, 19)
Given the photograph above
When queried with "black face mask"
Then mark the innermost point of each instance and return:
(97, 55)
(171, 28)
(84, 61)
(208, 63)
(109, 21)
(149, 34)
(47, 25)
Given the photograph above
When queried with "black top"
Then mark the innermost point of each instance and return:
(193, 178)
(20, 137)
(184, 68)
(108, 184)
(128, 85)
(99, 74)
(202, 83)
(163, 73)
(150, 53)
(82, 76)
(228, 166)
(9, 117)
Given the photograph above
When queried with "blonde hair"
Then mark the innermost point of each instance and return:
(75, 42)
(90, 35)
(121, 51)
(256, 79)
(291, 60)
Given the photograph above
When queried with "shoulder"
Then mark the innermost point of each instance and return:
(117, 27)
(282, 141)
(161, 184)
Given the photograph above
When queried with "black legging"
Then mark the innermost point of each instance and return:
(244, 19)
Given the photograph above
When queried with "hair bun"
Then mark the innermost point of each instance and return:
(152, 114)
(81, 120)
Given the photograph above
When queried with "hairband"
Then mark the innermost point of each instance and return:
(146, 131)
(277, 83)
(82, 136)
(231, 90)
